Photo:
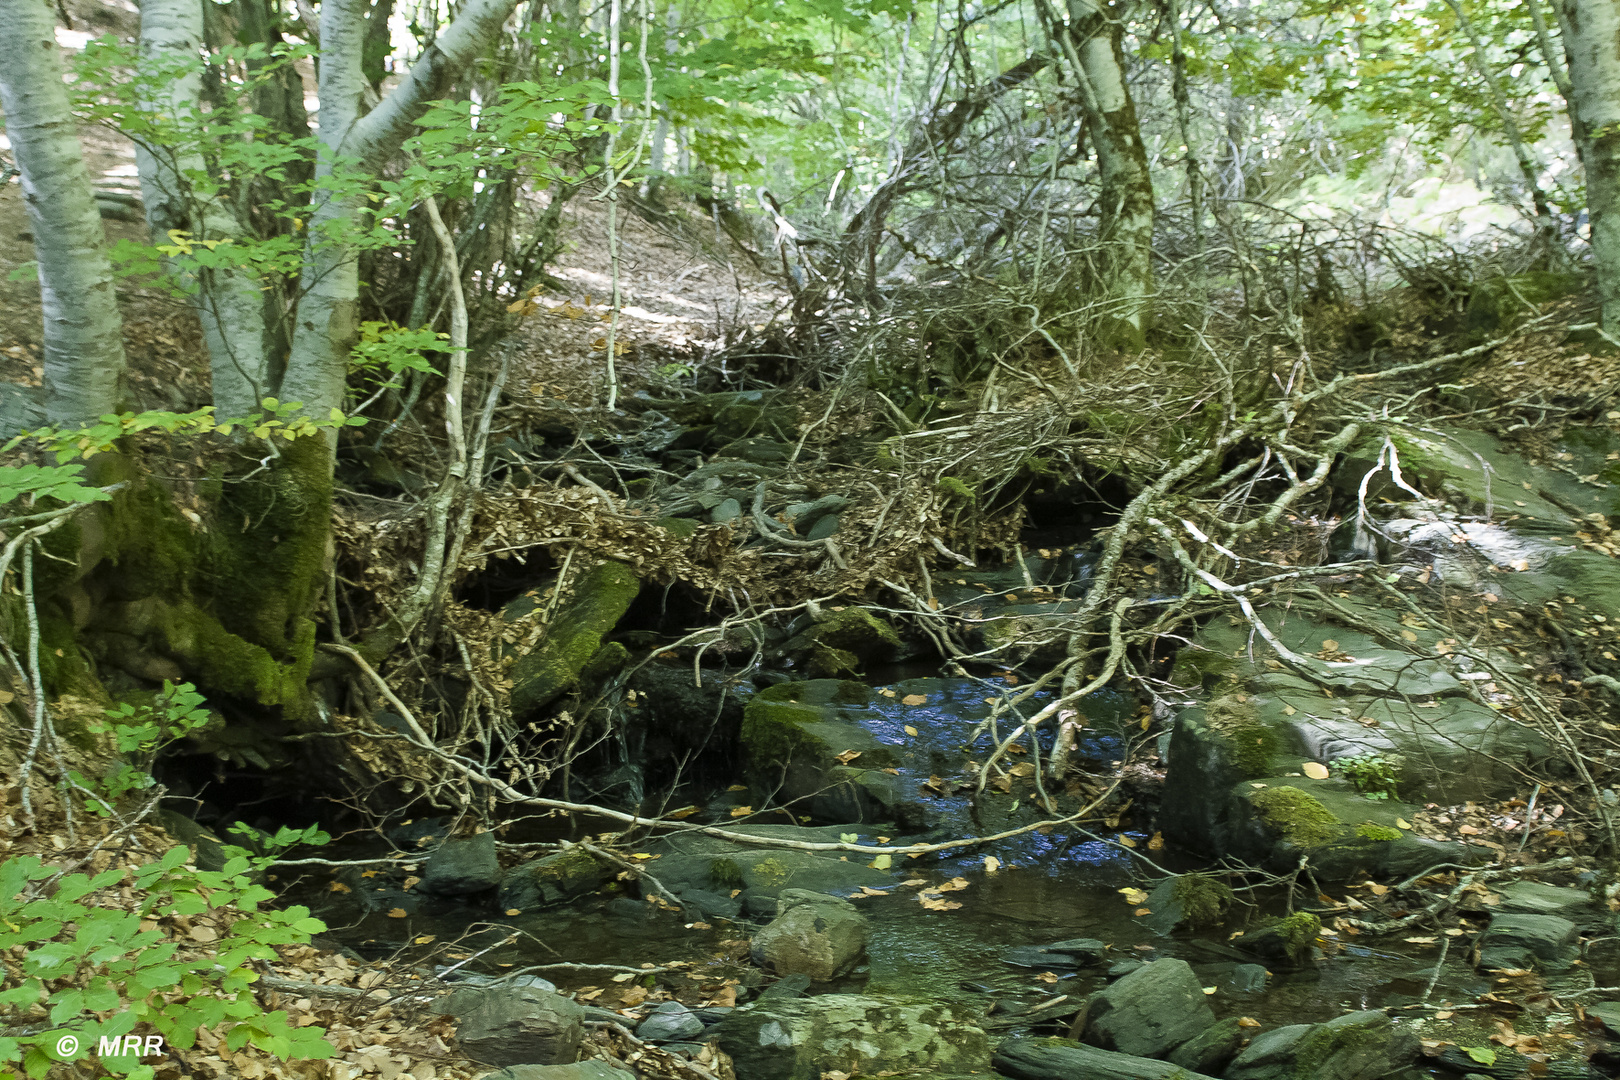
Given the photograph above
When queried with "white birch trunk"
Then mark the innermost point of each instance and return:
(326, 323)
(1591, 32)
(84, 348)
(230, 303)
(1126, 204)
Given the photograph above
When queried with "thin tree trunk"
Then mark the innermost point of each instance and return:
(84, 349)
(326, 325)
(1592, 45)
(1546, 224)
(230, 303)
(1125, 277)
(1195, 173)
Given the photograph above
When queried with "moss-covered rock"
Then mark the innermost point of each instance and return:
(799, 748)
(1298, 815)
(553, 879)
(844, 641)
(1371, 830)
(601, 597)
(1288, 938)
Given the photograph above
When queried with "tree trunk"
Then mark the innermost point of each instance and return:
(326, 324)
(84, 348)
(230, 303)
(1124, 273)
(1592, 44)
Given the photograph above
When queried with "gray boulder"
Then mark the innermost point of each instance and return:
(1356, 1046)
(580, 1070)
(816, 935)
(1532, 942)
(1149, 1012)
(800, 1038)
(461, 865)
(553, 879)
(1058, 1059)
(1534, 898)
(1074, 953)
(670, 1022)
(522, 1026)
(1211, 1050)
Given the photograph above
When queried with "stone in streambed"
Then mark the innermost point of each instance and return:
(460, 866)
(1074, 953)
(1211, 1050)
(1536, 942)
(553, 879)
(1061, 1059)
(1356, 1046)
(801, 1038)
(579, 1070)
(670, 1022)
(815, 935)
(1148, 1013)
(523, 1026)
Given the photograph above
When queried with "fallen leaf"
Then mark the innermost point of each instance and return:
(1401, 823)
(1047, 977)
(1210, 989)
(910, 730)
(1157, 843)
(880, 863)
(1134, 896)
(1248, 1021)
(914, 699)
(991, 864)
(399, 913)
(741, 811)
(1139, 912)
(846, 757)
(1289, 710)
(1315, 770)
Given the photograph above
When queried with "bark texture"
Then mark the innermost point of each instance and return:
(1591, 31)
(1124, 271)
(327, 321)
(84, 349)
(230, 303)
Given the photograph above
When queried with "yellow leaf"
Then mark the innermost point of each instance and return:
(1289, 710)
(1402, 823)
(909, 729)
(1134, 896)
(1139, 912)
(741, 811)
(1408, 635)
(991, 864)
(1209, 989)
(1315, 770)
(398, 913)
(428, 938)
(1157, 843)
(880, 863)
(914, 699)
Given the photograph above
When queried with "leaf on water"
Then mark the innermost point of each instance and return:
(738, 787)
(991, 864)
(847, 756)
(849, 837)
(1419, 940)
(886, 692)
(741, 811)
(624, 976)
(1315, 770)
(1139, 912)
(1125, 840)
(1134, 896)
(910, 730)
(880, 863)
(914, 699)
(399, 913)
(1157, 843)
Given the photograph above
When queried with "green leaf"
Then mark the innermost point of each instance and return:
(1482, 1054)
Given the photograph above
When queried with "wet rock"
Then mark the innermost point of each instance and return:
(579, 1070)
(1148, 1013)
(714, 864)
(1356, 1046)
(524, 1026)
(799, 1039)
(1534, 942)
(553, 879)
(1121, 968)
(1534, 898)
(791, 986)
(843, 642)
(816, 935)
(1246, 979)
(460, 866)
(1061, 1059)
(803, 516)
(1187, 900)
(1211, 1050)
(795, 744)
(462, 978)
(1289, 940)
(1606, 1013)
(1512, 1065)
(1074, 953)
(712, 904)
(600, 598)
(669, 1022)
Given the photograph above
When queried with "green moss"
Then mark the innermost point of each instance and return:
(826, 660)
(226, 662)
(601, 597)
(572, 870)
(958, 489)
(773, 732)
(1299, 932)
(1201, 668)
(605, 663)
(1203, 898)
(1371, 830)
(770, 873)
(841, 643)
(1300, 817)
(1322, 1043)
(726, 874)
(1251, 744)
